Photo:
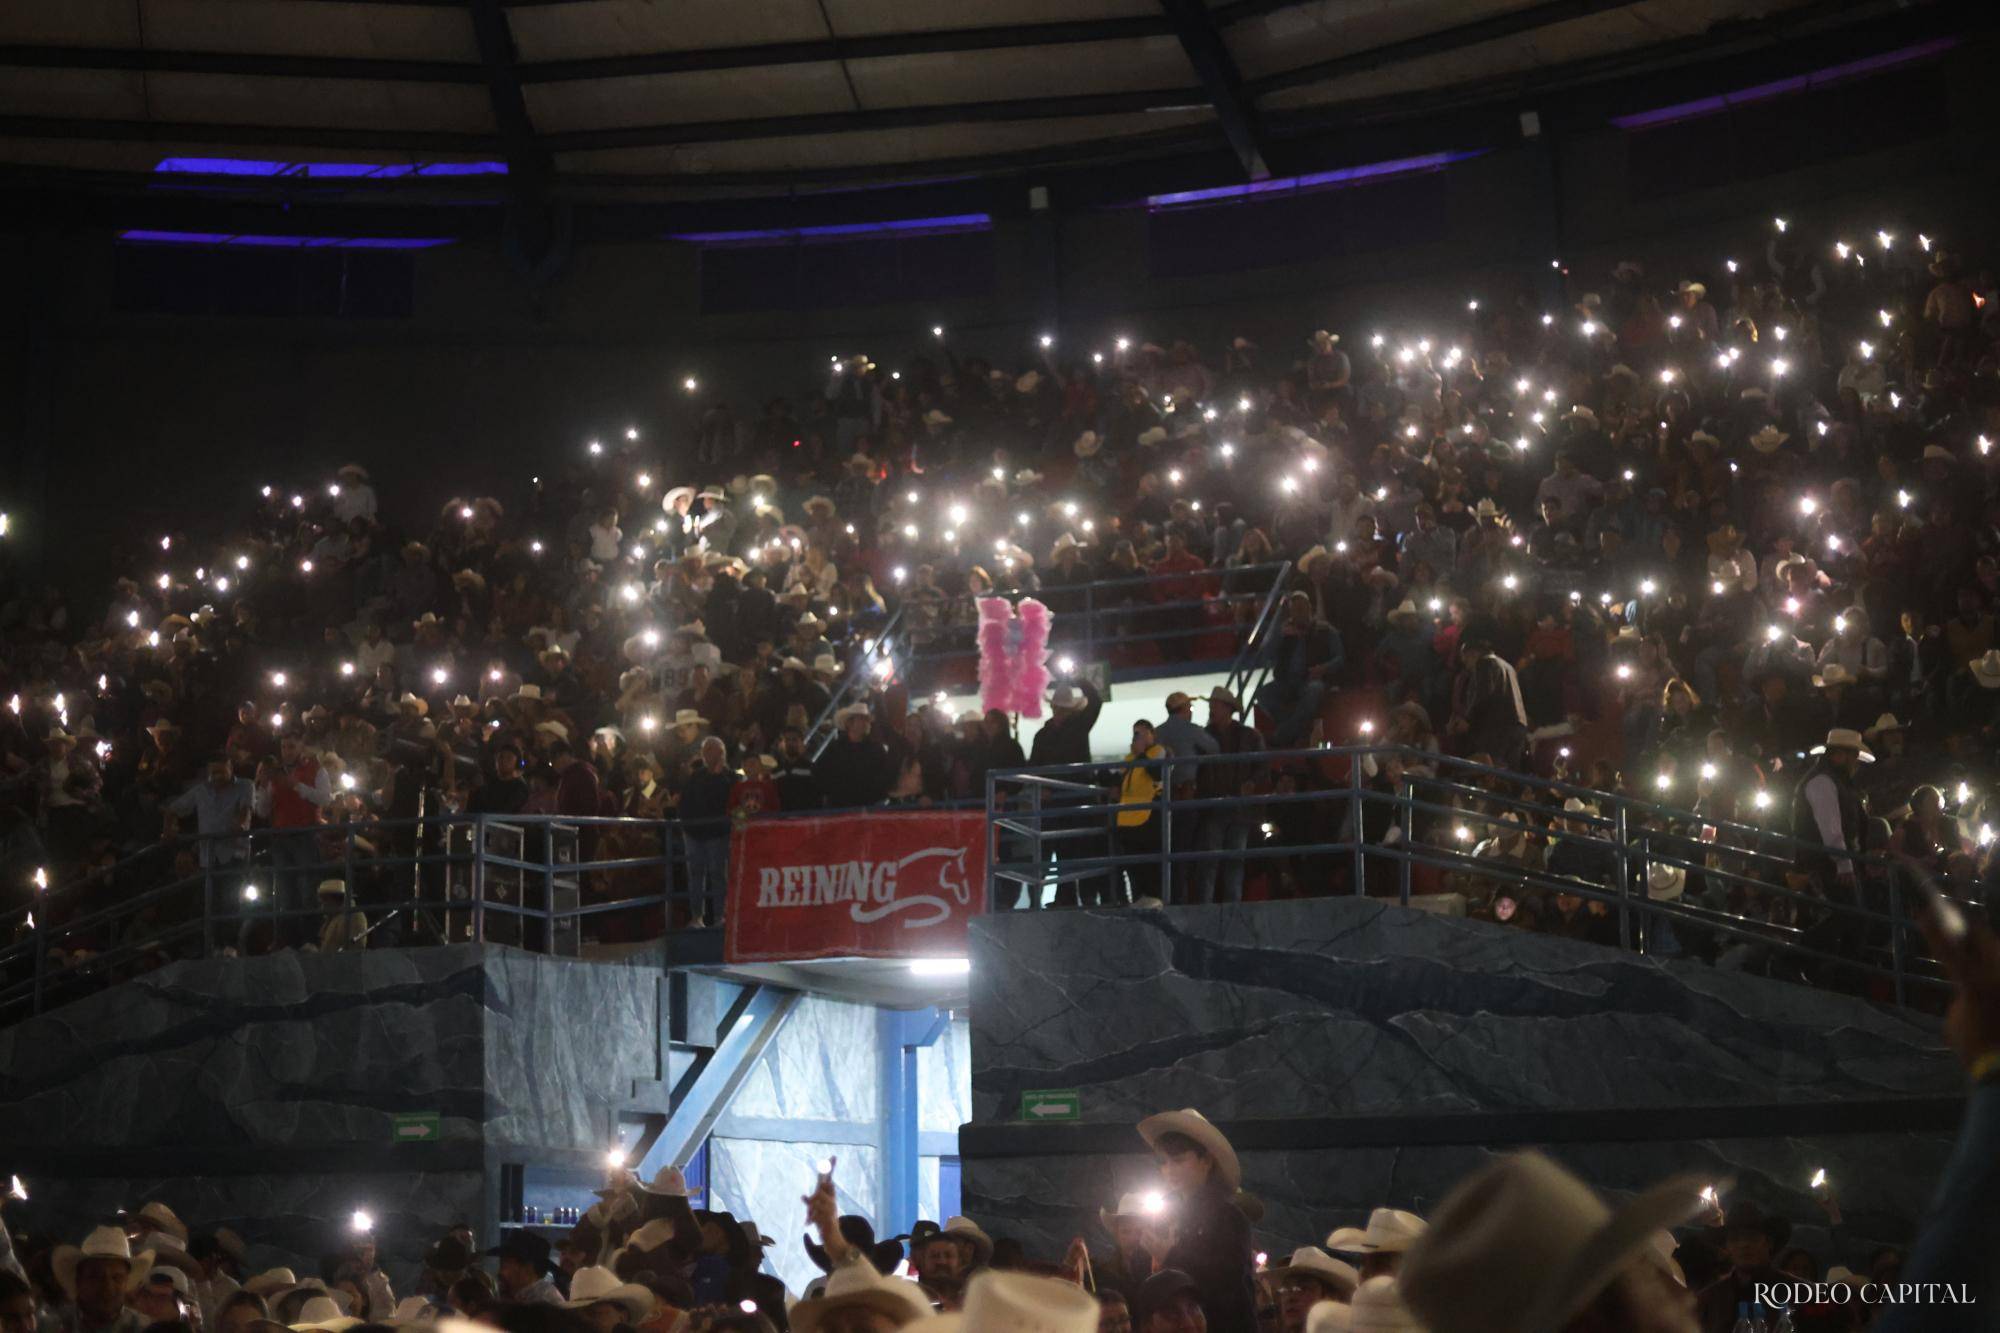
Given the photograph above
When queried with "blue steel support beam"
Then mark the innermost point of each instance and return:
(743, 1035)
(901, 1033)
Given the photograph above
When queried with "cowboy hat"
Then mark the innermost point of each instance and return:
(412, 1310)
(817, 503)
(1378, 1308)
(1008, 1302)
(826, 664)
(274, 1280)
(859, 1286)
(528, 1247)
(1521, 1245)
(1329, 1317)
(841, 718)
(965, 1229)
(689, 717)
(1886, 722)
(1221, 696)
(1066, 696)
(553, 728)
(351, 470)
(533, 692)
(1405, 610)
(1937, 453)
(859, 1233)
(793, 664)
(1986, 670)
(596, 1286)
(1665, 883)
(1768, 440)
(1486, 509)
(320, 1315)
(449, 1255)
(1087, 445)
(1834, 674)
(1129, 1205)
(1192, 1124)
(409, 700)
(101, 1243)
(1313, 1262)
(1389, 1231)
(669, 1181)
(1845, 738)
(1698, 288)
(162, 1218)
(1153, 435)
(677, 493)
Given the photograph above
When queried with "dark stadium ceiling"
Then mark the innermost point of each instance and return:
(697, 98)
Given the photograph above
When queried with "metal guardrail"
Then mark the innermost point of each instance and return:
(1088, 621)
(1053, 840)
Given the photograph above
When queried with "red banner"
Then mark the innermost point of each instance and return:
(888, 885)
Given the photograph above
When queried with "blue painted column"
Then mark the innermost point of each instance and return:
(901, 1034)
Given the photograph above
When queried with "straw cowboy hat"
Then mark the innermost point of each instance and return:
(1389, 1231)
(1987, 670)
(1835, 674)
(270, 1282)
(860, 1287)
(533, 692)
(1522, 1245)
(1405, 610)
(1883, 724)
(1938, 453)
(160, 1217)
(965, 1229)
(677, 493)
(321, 1315)
(1192, 1124)
(1665, 883)
(689, 717)
(409, 700)
(1845, 738)
(1087, 445)
(102, 1243)
(1698, 288)
(1768, 440)
(1313, 1262)
(1486, 509)
(598, 1286)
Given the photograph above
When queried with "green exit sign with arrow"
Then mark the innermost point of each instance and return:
(416, 1127)
(1051, 1104)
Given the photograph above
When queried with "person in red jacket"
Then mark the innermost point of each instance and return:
(291, 793)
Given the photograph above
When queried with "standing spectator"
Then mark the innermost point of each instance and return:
(704, 814)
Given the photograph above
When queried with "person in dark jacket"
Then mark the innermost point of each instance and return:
(1065, 739)
(798, 788)
(1306, 660)
(854, 769)
(704, 814)
(1212, 1236)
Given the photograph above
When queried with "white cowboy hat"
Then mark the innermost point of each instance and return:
(859, 1286)
(529, 692)
(689, 717)
(413, 1310)
(1067, 696)
(1987, 669)
(1153, 435)
(1486, 509)
(1845, 738)
(1767, 440)
(668, 1180)
(840, 718)
(1377, 1307)
(1313, 1262)
(1389, 1231)
(596, 1286)
(102, 1243)
(1835, 674)
(1189, 1123)
(1129, 1205)
(677, 493)
(270, 1282)
(1087, 445)
(320, 1315)
(553, 728)
(793, 664)
(1664, 883)
(1698, 288)
(826, 664)
(1886, 722)
(1405, 608)
(1576, 805)
(1520, 1246)
(1005, 1302)
(1939, 453)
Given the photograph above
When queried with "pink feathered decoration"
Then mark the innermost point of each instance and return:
(1013, 670)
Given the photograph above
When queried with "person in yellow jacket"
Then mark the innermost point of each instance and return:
(1138, 819)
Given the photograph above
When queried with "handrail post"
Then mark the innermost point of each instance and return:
(207, 899)
(548, 880)
(1035, 843)
(1622, 858)
(1896, 935)
(666, 875)
(1354, 814)
(992, 849)
(1090, 622)
(1406, 795)
(1166, 829)
(477, 889)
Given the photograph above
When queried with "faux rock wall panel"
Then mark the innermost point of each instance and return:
(944, 1081)
(564, 1043)
(1335, 1007)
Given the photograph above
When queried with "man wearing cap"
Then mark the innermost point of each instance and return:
(1227, 827)
(1182, 738)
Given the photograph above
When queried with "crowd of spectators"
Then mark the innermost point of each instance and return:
(1710, 516)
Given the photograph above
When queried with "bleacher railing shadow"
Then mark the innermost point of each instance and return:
(1055, 840)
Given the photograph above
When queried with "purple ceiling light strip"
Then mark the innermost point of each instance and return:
(1820, 78)
(245, 166)
(1318, 180)
(143, 237)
